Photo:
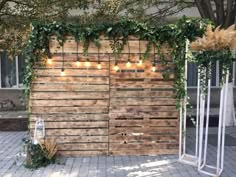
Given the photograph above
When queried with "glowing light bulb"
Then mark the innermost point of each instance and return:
(116, 68)
(49, 60)
(77, 63)
(128, 64)
(87, 64)
(99, 65)
(153, 68)
(63, 72)
(140, 62)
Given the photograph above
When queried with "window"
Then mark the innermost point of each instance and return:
(192, 74)
(11, 71)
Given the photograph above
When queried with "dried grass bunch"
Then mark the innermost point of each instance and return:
(217, 39)
(49, 146)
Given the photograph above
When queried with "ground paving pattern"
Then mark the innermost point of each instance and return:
(12, 159)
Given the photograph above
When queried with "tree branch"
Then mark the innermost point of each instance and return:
(229, 11)
(210, 10)
(2, 4)
(220, 12)
(201, 9)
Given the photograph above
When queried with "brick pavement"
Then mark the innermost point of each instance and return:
(12, 160)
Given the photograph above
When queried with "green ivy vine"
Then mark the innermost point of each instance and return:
(172, 34)
(205, 61)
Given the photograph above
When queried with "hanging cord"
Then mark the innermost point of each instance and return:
(154, 59)
(63, 56)
(77, 60)
(99, 64)
(140, 56)
(62, 68)
(128, 63)
(129, 51)
(116, 68)
(77, 51)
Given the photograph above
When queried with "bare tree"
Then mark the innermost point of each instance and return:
(221, 12)
(16, 16)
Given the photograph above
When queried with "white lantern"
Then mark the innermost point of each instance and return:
(39, 130)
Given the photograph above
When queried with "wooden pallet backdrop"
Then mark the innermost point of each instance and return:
(94, 112)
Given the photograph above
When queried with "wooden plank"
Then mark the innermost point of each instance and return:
(127, 93)
(82, 153)
(139, 85)
(116, 146)
(83, 146)
(70, 46)
(134, 74)
(139, 109)
(142, 101)
(77, 132)
(79, 103)
(81, 139)
(68, 87)
(147, 81)
(46, 110)
(72, 58)
(70, 95)
(146, 138)
(144, 131)
(69, 117)
(70, 65)
(92, 57)
(73, 125)
(72, 72)
(143, 123)
(147, 115)
(143, 151)
(146, 65)
(71, 80)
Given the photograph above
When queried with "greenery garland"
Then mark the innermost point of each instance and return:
(205, 61)
(174, 35)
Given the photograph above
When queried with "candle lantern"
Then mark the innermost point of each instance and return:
(39, 130)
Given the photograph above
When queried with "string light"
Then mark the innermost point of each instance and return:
(62, 68)
(153, 67)
(99, 64)
(154, 58)
(77, 63)
(116, 67)
(128, 64)
(87, 63)
(63, 72)
(49, 59)
(140, 62)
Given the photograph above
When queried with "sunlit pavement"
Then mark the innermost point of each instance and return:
(12, 159)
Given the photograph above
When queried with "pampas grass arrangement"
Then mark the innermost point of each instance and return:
(49, 146)
(218, 39)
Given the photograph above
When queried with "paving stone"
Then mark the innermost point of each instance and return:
(12, 160)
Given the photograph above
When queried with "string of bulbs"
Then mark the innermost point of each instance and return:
(99, 66)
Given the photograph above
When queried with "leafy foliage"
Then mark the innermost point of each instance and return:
(37, 156)
(17, 15)
(174, 35)
(205, 61)
(215, 45)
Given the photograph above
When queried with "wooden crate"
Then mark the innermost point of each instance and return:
(94, 111)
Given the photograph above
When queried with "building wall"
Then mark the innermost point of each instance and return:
(215, 96)
(12, 100)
